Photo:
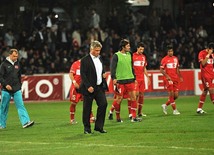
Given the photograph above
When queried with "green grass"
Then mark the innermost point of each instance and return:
(186, 134)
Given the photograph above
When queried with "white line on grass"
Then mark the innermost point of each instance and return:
(96, 145)
(144, 146)
(20, 142)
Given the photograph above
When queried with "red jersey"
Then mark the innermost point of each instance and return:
(207, 69)
(170, 65)
(139, 64)
(75, 69)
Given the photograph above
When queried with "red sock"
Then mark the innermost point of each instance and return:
(202, 100)
(91, 115)
(172, 102)
(72, 110)
(117, 110)
(140, 104)
(168, 102)
(173, 105)
(212, 98)
(113, 106)
(134, 108)
(129, 107)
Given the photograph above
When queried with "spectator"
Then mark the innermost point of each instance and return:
(95, 20)
(167, 21)
(154, 21)
(23, 39)
(39, 39)
(181, 19)
(49, 20)
(64, 38)
(76, 37)
(154, 40)
(9, 38)
(201, 32)
(23, 53)
(39, 21)
(51, 39)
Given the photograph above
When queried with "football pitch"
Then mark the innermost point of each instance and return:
(52, 134)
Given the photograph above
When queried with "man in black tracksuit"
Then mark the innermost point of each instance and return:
(10, 79)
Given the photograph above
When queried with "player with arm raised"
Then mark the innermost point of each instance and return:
(205, 58)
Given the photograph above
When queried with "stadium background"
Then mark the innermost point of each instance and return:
(187, 24)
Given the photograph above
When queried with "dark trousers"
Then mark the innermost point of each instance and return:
(99, 96)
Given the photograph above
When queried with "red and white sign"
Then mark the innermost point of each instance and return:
(157, 83)
(198, 82)
(57, 86)
(42, 87)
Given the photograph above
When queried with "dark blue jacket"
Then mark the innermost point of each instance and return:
(10, 75)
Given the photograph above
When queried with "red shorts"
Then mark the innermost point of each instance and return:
(124, 89)
(74, 95)
(172, 85)
(207, 82)
(140, 86)
(126, 95)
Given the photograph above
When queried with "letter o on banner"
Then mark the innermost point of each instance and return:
(50, 88)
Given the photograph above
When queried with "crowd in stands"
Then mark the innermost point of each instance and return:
(52, 48)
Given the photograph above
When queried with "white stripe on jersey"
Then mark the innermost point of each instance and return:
(139, 63)
(78, 72)
(171, 65)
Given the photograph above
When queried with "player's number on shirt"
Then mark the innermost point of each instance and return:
(207, 84)
(210, 61)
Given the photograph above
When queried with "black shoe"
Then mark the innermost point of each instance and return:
(28, 124)
(101, 131)
(110, 116)
(87, 132)
(136, 120)
(142, 115)
(119, 121)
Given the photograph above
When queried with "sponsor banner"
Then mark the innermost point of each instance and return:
(198, 82)
(67, 84)
(157, 83)
(57, 86)
(155, 88)
(42, 87)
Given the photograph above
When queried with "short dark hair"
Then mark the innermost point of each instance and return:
(169, 47)
(140, 44)
(211, 45)
(123, 43)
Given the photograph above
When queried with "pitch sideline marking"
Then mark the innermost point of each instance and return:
(101, 145)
